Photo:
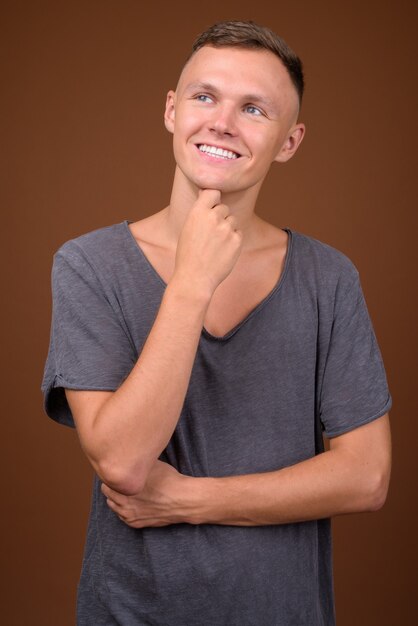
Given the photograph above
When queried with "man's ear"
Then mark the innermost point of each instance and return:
(292, 143)
(169, 113)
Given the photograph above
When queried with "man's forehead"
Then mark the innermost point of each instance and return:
(221, 59)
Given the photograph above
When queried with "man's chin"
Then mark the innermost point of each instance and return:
(204, 180)
(223, 186)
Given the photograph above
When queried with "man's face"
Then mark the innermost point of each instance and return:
(240, 101)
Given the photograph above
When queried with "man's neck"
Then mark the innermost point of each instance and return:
(241, 205)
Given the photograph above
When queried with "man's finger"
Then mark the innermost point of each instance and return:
(116, 497)
(209, 197)
(105, 489)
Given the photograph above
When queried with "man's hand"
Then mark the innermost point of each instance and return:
(209, 244)
(160, 503)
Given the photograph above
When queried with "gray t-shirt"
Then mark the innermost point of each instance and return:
(304, 362)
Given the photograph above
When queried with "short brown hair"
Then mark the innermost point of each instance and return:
(251, 35)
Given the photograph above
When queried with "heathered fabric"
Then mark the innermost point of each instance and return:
(303, 362)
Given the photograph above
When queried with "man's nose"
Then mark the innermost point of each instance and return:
(223, 121)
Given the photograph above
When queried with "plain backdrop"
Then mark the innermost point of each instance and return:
(83, 87)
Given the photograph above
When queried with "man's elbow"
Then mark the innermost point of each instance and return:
(378, 489)
(128, 481)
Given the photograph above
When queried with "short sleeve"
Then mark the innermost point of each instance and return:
(89, 347)
(354, 387)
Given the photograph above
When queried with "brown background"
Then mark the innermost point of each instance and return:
(84, 87)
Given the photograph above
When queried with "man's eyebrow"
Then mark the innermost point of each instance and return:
(249, 97)
(200, 85)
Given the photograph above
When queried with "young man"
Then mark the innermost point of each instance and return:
(201, 353)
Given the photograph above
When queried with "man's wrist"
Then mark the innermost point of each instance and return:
(199, 500)
(182, 290)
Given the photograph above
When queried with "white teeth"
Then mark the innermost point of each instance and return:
(226, 154)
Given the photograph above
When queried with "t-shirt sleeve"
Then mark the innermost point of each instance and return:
(354, 388)
(89, 347)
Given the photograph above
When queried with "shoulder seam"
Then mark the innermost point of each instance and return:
(85, 256)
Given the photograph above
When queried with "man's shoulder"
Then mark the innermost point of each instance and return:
(98, 244)
(95, 256)
(315, 256)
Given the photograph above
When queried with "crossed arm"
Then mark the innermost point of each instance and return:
(123, 433)
(352, 476)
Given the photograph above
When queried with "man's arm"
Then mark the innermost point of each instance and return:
(353, 476)
(123, 432)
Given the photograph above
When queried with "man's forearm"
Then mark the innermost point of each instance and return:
(352, 476)
(136, 423)
(325, 485)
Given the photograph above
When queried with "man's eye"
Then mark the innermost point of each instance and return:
(253, 110)
(202, 97)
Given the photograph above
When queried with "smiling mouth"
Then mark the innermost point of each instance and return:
(217, 152)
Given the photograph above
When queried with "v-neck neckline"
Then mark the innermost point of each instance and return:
(255, 310)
